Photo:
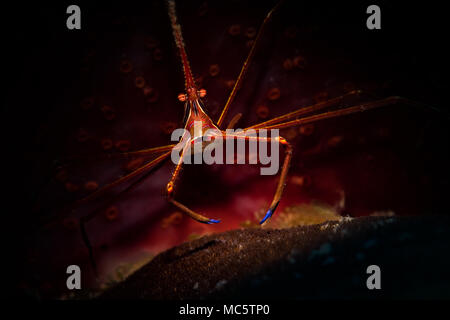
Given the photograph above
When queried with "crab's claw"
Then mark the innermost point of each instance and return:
(191, 213)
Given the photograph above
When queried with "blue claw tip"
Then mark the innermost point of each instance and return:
(268, 215)
(270, 212)
(213, 221)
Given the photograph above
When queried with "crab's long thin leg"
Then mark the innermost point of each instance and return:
(171, 188)
(123, 179)
(133, 185)
(345, 111)
(83, 220)
(306, 110)
(88, 245)
(278, 193)
(143, 152)
(87, 218)
(191, 213)
(245, 66)
(117, 155)
(284, 169)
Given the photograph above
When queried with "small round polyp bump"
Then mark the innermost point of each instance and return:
(174, 219)
(249, 43)
(157, 54)
(123, 145)
(107, 144)
(214, 70)
(291, 134)
(262, 111)
(274, 94)
(126, 66)
(288, 64)
(91, 186)
(139, 82)
(335, 141)
(111, 213)
(71, 187)
(151, 42)
(306, 129)
(299, 62)
(108, 112)
(151, 94)
(82, 135)
(134, 164)
(230, 84)
(297, 180)
(167, 127)
(250, 32)
(234, 30)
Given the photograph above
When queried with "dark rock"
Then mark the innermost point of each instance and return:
(321, 261)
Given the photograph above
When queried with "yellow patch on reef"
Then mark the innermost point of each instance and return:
(194, 236)
(122, 271)
(249, 224)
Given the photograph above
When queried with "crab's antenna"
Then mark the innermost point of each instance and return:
(176, 29)
(246, 64)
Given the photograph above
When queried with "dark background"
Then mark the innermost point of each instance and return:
(48, 70)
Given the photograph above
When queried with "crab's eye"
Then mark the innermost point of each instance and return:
(182, 97)
(202, 93)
